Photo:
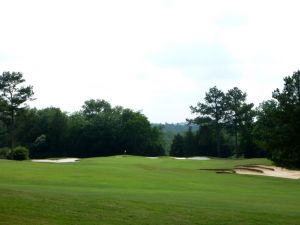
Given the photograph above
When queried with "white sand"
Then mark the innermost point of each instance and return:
(66, 160)
(178, 158)
(152, 157)
(272, 171)
(192, 158)
(199, 158)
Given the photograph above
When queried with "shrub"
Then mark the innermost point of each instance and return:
(4, 152)
(20, 153)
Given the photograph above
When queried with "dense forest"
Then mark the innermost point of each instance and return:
(98, 129)
(225, 125)
(229, 126)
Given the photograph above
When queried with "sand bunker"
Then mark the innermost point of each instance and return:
(272, 171)
(199, 158)
(66, 160)
(261, 170)
(193, 158)
(152, 157)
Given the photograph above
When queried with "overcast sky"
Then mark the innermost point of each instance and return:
(158, 56)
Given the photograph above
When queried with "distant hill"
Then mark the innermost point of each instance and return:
(176, 127)
(171, 129)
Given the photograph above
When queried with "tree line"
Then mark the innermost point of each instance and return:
(169, 130)
(225, 124)
(228, 126)
(98, 129)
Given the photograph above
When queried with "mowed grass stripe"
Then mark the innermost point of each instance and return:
(137, 190)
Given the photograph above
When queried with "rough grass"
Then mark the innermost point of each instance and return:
(137, 190)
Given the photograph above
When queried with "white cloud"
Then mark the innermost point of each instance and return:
(75, 50)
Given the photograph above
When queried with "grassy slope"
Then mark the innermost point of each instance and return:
(136, 190)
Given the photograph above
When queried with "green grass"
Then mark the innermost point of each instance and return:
(137, 190)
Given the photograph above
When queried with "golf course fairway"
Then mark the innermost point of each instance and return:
(138, 190)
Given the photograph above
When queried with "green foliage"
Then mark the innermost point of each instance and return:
(40, 141)
(212, 112)
(4, 152)
(225, 120)
(280, 125)
(40, 146)
(137, 135)
(93, 107)
(97, 130)
(19, 153)
(265, 122)
(185, 144)
(239, 118)
(4, 136)
(226, 126)
(178, 146)
(13, 99)
(167, 140)
(27, 126)
(49, 129)
(169, 130)
(190, 143)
